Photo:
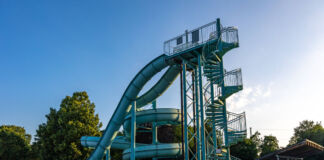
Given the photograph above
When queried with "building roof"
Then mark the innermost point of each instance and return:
(303, 149)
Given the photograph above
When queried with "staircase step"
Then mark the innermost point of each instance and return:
(215, 114)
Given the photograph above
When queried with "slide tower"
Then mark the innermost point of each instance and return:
(208, 129)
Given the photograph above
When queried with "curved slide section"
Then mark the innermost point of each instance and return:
(158, 150)
(143, 150)
(154, 115)
(123, 106)
(131, 93)
(165, 81)
(120, 142)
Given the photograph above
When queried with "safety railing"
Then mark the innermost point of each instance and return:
(233, 78)
(199, 36)
(236, 122)
(230, 35)
(191, 39)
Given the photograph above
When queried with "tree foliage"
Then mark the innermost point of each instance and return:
(308, 130)
(269, 144)
(247, 149)
(59, 137)
(14, 143)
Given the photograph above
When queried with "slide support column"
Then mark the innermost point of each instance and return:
(154, 128)
(197, 116)
(202, 124)
(133, 134)
(108, 154)
(184, 98)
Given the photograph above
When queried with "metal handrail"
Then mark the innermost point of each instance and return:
(233, 78)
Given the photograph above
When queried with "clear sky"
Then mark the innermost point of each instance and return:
(49, 49)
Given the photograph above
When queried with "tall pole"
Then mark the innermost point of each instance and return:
(154, 128)
(133, 133)
(184, 98)
(194, 108)
(197, 116)
(182, 128)
(223, 89)
(202, 125)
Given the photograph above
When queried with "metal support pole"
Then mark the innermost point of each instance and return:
(184, 87)
(154, 128)
(197, 116)
(108, 154)
(219, 35)
(203, 150)
(214, 126)
(194, 108)
(182, 128)
(133, 132)
(224, 111)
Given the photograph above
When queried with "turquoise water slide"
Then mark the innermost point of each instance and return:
(124, 105)
(143, 150)
(197, 54)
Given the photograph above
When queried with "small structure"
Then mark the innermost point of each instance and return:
(297, 151)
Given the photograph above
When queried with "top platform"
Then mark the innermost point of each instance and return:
(198, 37)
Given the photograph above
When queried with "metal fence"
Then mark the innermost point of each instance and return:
(230, 35)
(191, 39)
(233, 78)
(236, 122)
(200, 36)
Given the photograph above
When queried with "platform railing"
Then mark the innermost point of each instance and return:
(236, 122)
(191, 39)
(230, 35)
(200, 36)
(233, 78)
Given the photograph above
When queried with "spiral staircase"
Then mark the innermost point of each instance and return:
(230, 126)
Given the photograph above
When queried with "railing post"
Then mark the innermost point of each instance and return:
(187, 39)
(219, 34)
(133, 132)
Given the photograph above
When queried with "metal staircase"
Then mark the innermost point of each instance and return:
(231, 127)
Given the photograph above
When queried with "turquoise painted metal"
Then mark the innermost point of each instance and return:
(133, 130)
(198, 56)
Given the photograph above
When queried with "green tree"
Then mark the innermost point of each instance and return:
(245, 150)
(308, 130)
(59, 137)
(14, 143)
(248, 149)
(269, 144)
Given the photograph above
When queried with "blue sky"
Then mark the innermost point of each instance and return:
(49, 49)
